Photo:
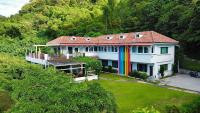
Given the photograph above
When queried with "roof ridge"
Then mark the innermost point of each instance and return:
(149, 36)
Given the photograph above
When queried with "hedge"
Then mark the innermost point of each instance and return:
(139, 74)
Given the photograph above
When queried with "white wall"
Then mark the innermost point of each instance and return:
(142, 58)
(108, 55)
(134, 66)
(156, 59)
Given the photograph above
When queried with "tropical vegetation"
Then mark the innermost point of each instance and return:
(92, 64)
(43, 20)
(28, 88)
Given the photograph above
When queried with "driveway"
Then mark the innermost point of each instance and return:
(183, 81)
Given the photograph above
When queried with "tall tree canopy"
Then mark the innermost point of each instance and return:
(43, 20)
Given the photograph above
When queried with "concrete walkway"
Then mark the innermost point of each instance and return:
(182, 81)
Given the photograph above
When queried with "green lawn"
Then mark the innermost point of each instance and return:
(130, 94)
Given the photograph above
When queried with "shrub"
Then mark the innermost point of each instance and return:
(138, 74)
(190, 64)
(161, 71)
(172, 109)
(5, 83)
(175, 68)
(193, 107)
(110, 69)
(104, 69)
(134, 74)
(146, 110)
(143, 75)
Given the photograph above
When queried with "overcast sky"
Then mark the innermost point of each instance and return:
(10, 7)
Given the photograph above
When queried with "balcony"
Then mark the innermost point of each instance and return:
(45, 59)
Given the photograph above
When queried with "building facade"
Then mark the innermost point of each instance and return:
(141, 51)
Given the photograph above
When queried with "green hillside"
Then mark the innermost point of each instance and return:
(43, 20)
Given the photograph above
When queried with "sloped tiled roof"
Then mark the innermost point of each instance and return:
(147, 37)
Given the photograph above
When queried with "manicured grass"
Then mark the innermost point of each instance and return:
(130, 94)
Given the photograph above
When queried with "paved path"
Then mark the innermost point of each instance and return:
(183, 81)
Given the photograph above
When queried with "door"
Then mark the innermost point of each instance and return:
(70, 50)
(151, 71)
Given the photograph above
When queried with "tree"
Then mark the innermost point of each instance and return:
(109, 12)
(92, 64)
(13, 32)
(49, 90)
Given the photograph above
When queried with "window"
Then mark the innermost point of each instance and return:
(95, 48)
(76, 50)
(73, 38)
(163, 50)
(91, 49)
(138, 35)
(88, 39)
(152, 49)
(142, 67)
(105, 49)
(134, 49)
(140, 49)
(109, 49)
(165, 66)
(70, 50)
(116, 49)
(146, 50)
(104, 62)
(113, 49)
(109, 37)
(86, 49)
(115, 64)
(99, 48)
(121, 37)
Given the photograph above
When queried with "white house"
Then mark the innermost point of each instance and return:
(142, 51)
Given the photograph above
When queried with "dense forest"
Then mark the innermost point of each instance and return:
(43, 20)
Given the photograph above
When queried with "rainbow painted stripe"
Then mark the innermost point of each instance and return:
(124, 65)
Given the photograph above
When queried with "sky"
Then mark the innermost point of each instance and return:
(11, 7)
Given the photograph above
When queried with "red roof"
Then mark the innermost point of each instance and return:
(145, 38)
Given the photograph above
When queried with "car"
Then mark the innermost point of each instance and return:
(194, 74)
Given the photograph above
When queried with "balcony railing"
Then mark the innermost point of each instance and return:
(42, 58)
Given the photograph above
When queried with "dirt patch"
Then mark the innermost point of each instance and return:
(5, 101)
